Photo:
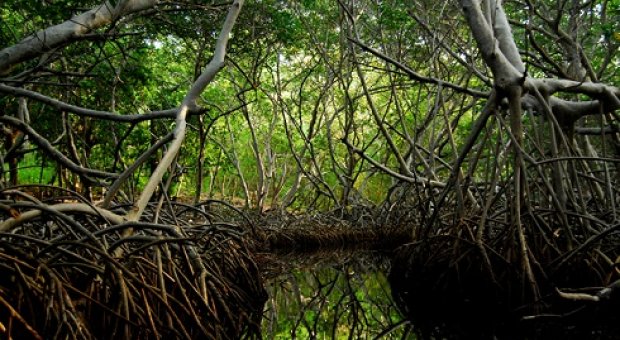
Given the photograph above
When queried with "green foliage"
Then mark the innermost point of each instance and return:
(292, 68)
(32, 171)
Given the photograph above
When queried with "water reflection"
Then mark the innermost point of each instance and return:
(335, 295)
(349, 295)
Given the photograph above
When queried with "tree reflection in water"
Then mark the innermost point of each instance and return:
(330, 295)
(347, 295)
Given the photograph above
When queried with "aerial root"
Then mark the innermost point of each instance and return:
(63, 274)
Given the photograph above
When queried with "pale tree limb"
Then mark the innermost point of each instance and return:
(8, 224)
(61, 34)
(608, 95)
(503, 34)
(578, 296)
(603, 293)
(493, 52)
(216, 63)
(565, 110)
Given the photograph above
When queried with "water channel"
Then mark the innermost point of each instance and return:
(336, 295)
(348, 295)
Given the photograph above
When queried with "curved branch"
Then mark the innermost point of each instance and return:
(549, 86)
(52, 152)
(130, 170)
(103, 115)
(61, 207)
(568, 110)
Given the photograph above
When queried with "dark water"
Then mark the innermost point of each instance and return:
(349, 295)
(336, 295)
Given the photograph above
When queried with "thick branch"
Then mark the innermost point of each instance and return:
(61, 34)
(567, 110)
(505, 72)
(503, 33)
(609, 94)
(216, 63)
(8, 224)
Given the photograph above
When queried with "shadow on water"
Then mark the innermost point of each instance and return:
(452, 298)
(353, 294)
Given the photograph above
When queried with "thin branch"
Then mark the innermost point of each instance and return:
(392, 173)
(52, 152)
(103, 115)
(416, 76)
(130, 170)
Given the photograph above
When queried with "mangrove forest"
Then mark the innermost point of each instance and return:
(309, 169)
